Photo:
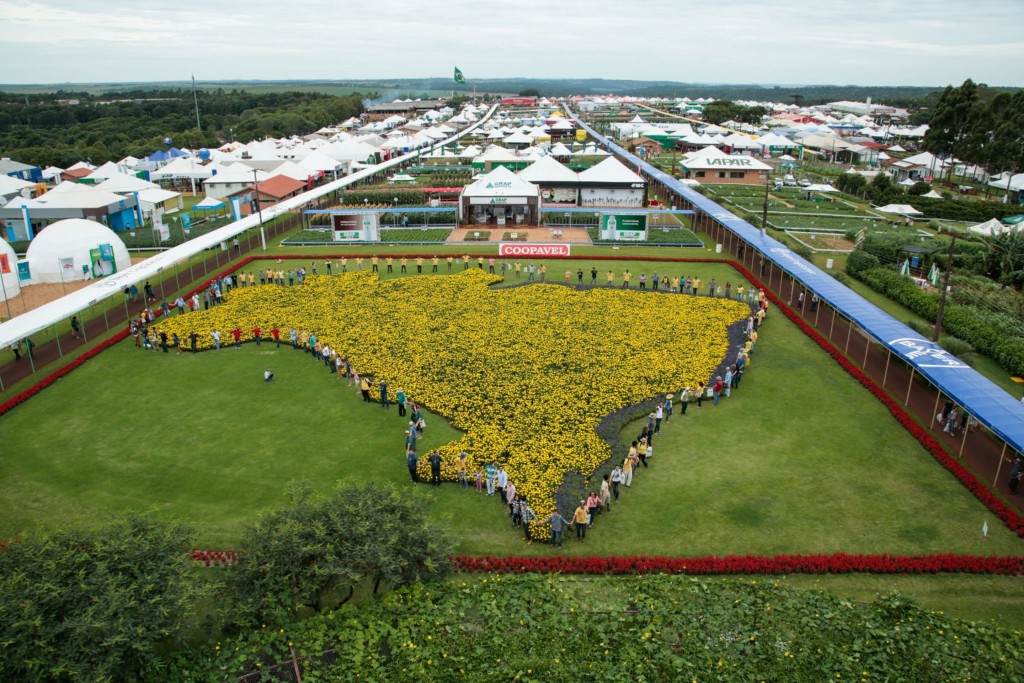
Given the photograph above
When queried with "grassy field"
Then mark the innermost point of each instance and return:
(818, 468)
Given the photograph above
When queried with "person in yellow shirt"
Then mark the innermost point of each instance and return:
(359, 263)
(480, 262)
(465, 261)
(449, 260)
(611, 278)
(344, 265)
(433, 263)
(627, 471)
(419, 264)
(580, 521)
(373, 263)
(695, 287)
(543, 271)
(404, 263)
(625, 279)
(390, 262)
(739, 293)
(519, 269)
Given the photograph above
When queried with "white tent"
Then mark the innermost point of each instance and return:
(992, 227)
(320, 162)
(901, 209)
(105, 171)
(293, 170)
(11, 186)
(932, 194)
(611, 170)
(8, 271)
(820, 188)
(183, 168)
(501, 182)
(560, 150)
(548, 170)
(120, 183)
(209, 204)
(60, 253)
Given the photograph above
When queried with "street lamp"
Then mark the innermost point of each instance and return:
(259, 209)
(395, 211)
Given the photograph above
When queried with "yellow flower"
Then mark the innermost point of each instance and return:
(526, 373)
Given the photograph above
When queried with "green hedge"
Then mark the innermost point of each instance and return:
(964, 322)
(415, 235)
(655, 235)
(405, 196)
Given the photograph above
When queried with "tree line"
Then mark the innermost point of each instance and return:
(978, 126)
(45, 130)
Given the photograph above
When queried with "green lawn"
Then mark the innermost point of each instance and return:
(801, 459)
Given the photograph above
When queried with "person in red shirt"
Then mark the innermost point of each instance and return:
(717, 388)
(237, 334)
(256, 333)
(276, 333)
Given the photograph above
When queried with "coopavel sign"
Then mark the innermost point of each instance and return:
(532, 250)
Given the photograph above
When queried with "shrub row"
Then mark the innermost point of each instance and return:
(963, 322)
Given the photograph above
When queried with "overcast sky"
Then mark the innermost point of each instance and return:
(871, 42)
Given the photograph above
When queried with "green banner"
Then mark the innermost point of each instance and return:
(628, 222)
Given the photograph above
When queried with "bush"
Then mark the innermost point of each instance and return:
(964, 322)
(803, 251)
(860, 261)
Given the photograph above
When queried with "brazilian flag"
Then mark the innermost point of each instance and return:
(459, 78)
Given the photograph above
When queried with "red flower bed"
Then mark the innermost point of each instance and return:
(11, 403)
(745, 564)
(215, 558)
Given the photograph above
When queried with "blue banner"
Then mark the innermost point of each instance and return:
(236, 208)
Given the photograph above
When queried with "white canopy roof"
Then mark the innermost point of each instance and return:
(496, 154)
(82, 197)
(183, 167)
(11, 185)
(105, 171)
(548, 170)
(501, 182)
(901, 209)
(293, 170)
(820, 188)
(992, 227)
(320, 162)
(157, 195)
(611, 170)
(122, 184)
(234, 175)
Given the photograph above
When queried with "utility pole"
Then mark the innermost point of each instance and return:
(764, 209)
(945, 288)
(259, 209)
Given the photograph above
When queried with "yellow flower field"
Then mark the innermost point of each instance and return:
(526, 372)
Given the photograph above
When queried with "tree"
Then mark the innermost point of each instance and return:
(948, 124)
(315, 552)
(919, 188)
(93, 605)
(1005, 257)
(529, 92)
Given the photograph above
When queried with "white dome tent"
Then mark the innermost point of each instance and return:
(76, 249)
(8, 272)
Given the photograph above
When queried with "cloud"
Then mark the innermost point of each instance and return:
(771, 41)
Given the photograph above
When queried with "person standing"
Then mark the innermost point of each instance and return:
(558, 524)
(700, 393)
(510, 496)
(625, 279)
(627, 468)
(490, 469)
(616, 479)
(659, 415)
(256, 332)
(364, 389)
(580, 520)
(276, 334)
(193, 339)
(502, 482)
(435, 468)
(593, 276)
(383, 387)
(593, 505)
(216, 339)
(526, 516)
(606, 493)
(461, 469)
(727, 382)
(76, 328)
(400, 400)
(716, 388)
(412, 462)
